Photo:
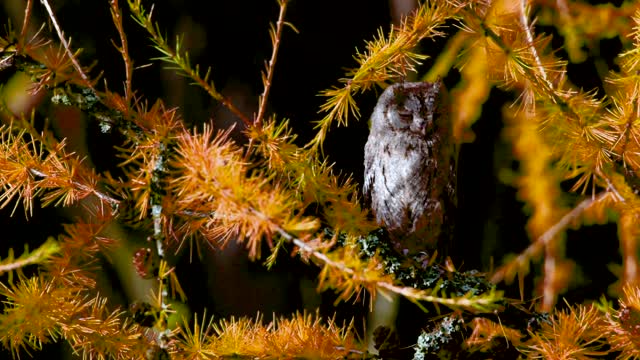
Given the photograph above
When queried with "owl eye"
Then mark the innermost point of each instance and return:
(405, 116)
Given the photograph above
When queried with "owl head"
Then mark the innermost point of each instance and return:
(411, 107)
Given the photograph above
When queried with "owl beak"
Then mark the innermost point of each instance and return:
(419, 126)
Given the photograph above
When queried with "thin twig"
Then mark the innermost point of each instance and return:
(267, 80)
(527, 69)
(550, 275)
(524, 19)
(67, 48)
(173, 56)
(37, 255)
(116, 14)
(547, 236)
(611, 188)
(25, 23)
(82, 187)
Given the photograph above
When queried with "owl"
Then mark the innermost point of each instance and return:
(410, 167)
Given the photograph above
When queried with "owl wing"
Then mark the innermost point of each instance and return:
(369, 171)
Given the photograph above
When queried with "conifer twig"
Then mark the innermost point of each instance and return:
(42, 252)
(524, 19)
(526, 68)
(100, 195)
(268, 77)
(387, 56)
(173, 55)
(25, 22)
(67, 47)
(116, 15)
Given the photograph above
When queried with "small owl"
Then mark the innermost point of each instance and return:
(410, 167)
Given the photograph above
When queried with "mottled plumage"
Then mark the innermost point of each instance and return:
(410, 166)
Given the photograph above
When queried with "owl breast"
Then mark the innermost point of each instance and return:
(403, 194)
